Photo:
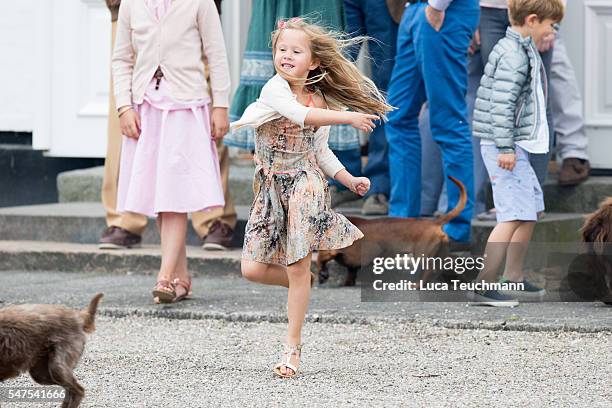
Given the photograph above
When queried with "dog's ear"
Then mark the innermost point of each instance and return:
(597, 228)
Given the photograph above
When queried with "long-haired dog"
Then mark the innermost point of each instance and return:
(47, 341)
(597, 234)
(389, 236)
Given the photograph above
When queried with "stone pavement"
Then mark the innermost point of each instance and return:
(148, 362)
(217, 350)
(232, 298)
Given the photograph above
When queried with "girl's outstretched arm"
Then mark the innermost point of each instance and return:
(277, 95)
(324, 117)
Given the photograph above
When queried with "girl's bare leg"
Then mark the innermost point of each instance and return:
(496, 249)
(173, 231)
(268, 274)
(297, 304)
(517, 250)
(181, 272)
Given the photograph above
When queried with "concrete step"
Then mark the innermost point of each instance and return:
(64, 256)
(73, 257)
(82, 222)
(78, 222)
(583, 198)
(553, 228)
(85, 185)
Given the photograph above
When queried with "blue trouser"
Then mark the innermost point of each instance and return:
(493, 24)
(431, 66)
(371, 17)
(433, 195)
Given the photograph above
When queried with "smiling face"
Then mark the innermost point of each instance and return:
(292, 55)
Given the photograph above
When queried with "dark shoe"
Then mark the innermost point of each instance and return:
(339, 197)
(118, 238)
(219, 237)
(574, 171)
(529, 290)
(376, 204)
(491, 298)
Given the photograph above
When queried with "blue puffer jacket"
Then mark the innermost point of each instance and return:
(507, 108)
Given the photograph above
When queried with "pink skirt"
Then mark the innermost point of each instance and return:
(173, 166)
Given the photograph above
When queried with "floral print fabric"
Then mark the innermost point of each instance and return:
(291, 213)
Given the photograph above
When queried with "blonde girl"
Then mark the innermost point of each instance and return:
(291, 214)
(169, 164)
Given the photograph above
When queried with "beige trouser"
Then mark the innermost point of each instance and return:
(136, 223)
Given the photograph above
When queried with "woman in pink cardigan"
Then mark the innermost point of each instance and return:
(169, 164)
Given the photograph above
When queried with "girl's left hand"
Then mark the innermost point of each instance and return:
(219, 122)
(360, 185)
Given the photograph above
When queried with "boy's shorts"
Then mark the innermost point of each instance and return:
(517, 194)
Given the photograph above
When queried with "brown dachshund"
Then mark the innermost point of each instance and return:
(389, 236)
(47, 341)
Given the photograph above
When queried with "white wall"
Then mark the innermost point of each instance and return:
(54, 69)
(31, 69)
(235, 17)
(587, 32)
(17, 65)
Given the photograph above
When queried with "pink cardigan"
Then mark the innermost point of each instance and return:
(189, 30)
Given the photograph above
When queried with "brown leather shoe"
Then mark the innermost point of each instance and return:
(219, 237)
(574, 171)
(118, 238)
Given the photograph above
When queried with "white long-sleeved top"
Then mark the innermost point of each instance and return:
(276, 100)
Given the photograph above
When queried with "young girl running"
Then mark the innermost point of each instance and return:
(169, 163)
(291, 214)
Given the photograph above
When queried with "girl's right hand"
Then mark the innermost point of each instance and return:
(130, 124)
(362, 121)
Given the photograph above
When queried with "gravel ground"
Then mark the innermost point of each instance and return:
(150, 362)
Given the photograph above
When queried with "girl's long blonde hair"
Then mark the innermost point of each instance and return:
(342, 84)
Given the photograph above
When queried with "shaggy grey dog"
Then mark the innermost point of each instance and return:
(47, 341)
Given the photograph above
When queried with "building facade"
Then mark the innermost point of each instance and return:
(55, 69)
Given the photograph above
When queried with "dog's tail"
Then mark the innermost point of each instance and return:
(460, 205)
(89, 314)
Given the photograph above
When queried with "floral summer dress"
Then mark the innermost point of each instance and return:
(291, 213)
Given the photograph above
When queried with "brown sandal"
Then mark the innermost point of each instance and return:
(164, 291)
(185, 285)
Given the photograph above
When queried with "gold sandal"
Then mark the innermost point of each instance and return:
(288, 352)
(184, 285)
(164, 291)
